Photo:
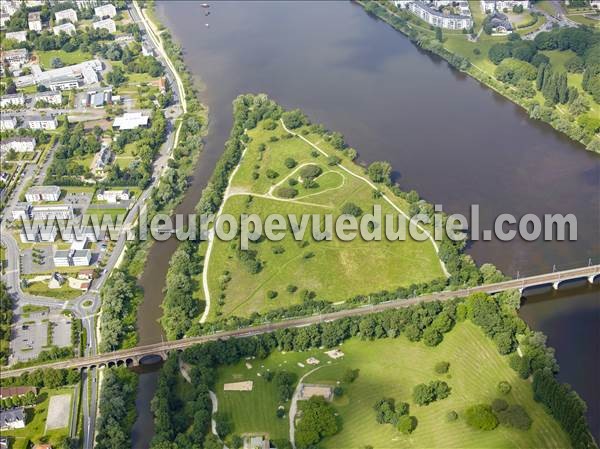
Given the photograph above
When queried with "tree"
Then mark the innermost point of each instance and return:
(438, 34)
(286, 192)
(350, 375)
(310, 171)
(294, 119)
(425, 394)
(380, 171)
(481, 417)
(514, 416)
(442, 367)
(318, 421)
(290, 163)
(57, 63)
(498, 53)
(407, 424)
(385, 411)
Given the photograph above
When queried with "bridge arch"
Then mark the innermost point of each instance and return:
(573, 282)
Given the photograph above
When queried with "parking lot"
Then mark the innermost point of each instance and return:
(30, 334)
(37, 260)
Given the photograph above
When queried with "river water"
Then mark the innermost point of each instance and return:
(454, 141)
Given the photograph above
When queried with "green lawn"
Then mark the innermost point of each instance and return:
(337, 270)
(391, 368)
(99, 212)
(64, 292)
(35, 429)
(68, 58)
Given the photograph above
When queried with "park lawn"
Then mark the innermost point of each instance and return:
(391, 368)
(64, 292)
(68, 58)
(254, 411)
(111, 212)
(334, 270)
(35, 429)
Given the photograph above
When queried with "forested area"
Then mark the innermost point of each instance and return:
(6, 314)
(495, 315)
(44, 377)
(116, 408)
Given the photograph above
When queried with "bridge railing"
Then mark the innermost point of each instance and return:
(526, 272)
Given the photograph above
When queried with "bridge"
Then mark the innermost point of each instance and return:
(140, 354)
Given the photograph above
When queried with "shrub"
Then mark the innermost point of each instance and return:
(407, 424)
(291, 288)
(442, 367)
(272, 174)
(310, 171)
(294, 119)
(514, 416)
(499, 404)
(280, 413)
(351, 209)
(333, 160)
(503, 387)
(380, 171)
(350, 375)
(451, 416)
(481, 417)
(271, 294)
(270, 125)
(278, 249)
(286, 192)
(292, 182)
(289, 162)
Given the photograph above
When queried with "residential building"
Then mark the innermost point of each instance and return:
(13, 418)
(61, 258)
(19, 36)
(42, 193)
(7, 122)
(41, 122)
(67, 28)
(21, 211)
(98, 98)
(147, 48)
(63, 83)
(113, 196)
(12, 100)
(63, 77)
(52, 97)
(69, 15)
(107, 10)
(489, 6)
(101, 161)
(9, 392)
(106, 24)
(20, 144)
(16, 57)
(440, 18)
(85, 4)
(131, 120)
(55, 211)
(34, 21)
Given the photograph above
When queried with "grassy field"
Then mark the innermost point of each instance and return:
(63, 293)
(391, 368)
(335, 270)
(68, 58)
(35, 429)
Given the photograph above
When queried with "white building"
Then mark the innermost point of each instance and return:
(12, 100)
(595, 4)
(100, 162)
(440, 18)
(147, 48)
(62, 78)
(41, 122)
(131, 120)
(107, 10)
(7, 122)
(63, 83)
(81, 257)
(58, 211)
(113, 196)
(106, 24)
(489, 6)
(34, 21)
(52, 97)
(20, 144)
(61, 258)
(4, 18)
(43, 193)
(67, 28)
(13, 418)
(17, 57)
(19, 36)
(21, 211)
(69, 15)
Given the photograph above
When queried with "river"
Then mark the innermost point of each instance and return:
(454, 141)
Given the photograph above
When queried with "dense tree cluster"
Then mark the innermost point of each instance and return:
(318, 420)
(116, 408)
(46, 377)
(28, 399)
(6, 314)
(481, 417)
(388, 412)
(120, 296)
(425, 394)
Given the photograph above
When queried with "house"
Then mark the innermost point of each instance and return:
(9, 392)
(19, 36)
(13, 418)
(113, 196)
(12, 100)
(69, 15)
(52, 97)
(147, 49)
(162, 84)
(20, 144)
(16, 57)
(42, 193)
(58, 211)
(131, 120)
(67, 28)
(61, 258)
(7, 122)
(41, 122)
(101, 160)
(107, 10)
(34, 21)
(86, 274)
(489, 6)
(500, 23)
(105, 24)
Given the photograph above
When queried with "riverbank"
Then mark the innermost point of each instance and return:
(471, 58)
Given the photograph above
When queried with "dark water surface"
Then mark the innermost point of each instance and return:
(454, 141)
